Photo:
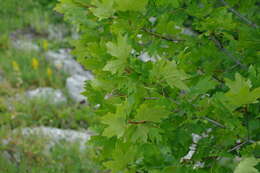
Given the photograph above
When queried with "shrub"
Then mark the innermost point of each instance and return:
(176, 82)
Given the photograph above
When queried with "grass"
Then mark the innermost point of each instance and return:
(24, 70)
(27, 13)
(33, 158)
(63, 158)
(29, 69)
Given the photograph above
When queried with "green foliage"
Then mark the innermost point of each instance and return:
(247, 165)
(165, 69)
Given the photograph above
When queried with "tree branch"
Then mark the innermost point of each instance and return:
(246, 20)
(237, 146)
(214, 122)
(226, 52)
(137, 122)
(169, 38)
(151, 98)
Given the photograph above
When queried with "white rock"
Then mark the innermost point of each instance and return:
(51, 95)
(64, 61)
(55, 135)
(57, 32)
(75, 86)
(26, 45)
(50, 137)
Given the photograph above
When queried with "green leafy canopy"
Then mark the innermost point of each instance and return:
(177, 83)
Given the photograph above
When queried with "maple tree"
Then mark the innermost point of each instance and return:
(176, 85)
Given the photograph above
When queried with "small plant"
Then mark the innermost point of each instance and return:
(28, 69)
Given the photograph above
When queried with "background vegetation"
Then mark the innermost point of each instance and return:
(26, 69)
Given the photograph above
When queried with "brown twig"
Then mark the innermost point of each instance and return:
(167, 38)
(137, 122)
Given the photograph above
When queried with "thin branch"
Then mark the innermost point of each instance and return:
(225, 51)
(247, 123)
(151, 98)
(169, 38)
(248, 141)
(251, 141)
(238, 146)
(246, 20)
(214, 122)
(137, 122)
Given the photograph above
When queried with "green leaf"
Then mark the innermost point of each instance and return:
(115, 66)
(103, 8)
(116, 122)
(174, 3)
(169, 72)
(247, 165)
(139, 134)
(151, 112)
(203, 86)
(239, 93)
(123, 155)
(121, 51)
(131, 5)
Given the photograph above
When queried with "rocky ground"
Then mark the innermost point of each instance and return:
(76, 76)
(43, 115)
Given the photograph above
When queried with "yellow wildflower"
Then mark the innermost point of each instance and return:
(35, 63)
(15, 66)
(45, 45)
(49, 72)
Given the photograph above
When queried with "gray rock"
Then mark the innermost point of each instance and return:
(26, 45)
(45, 137)
(57, 32)
(64, 61)
(75, 86)
(51, 95)
(55, 135)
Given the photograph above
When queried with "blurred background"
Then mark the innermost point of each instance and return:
(43, 115)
